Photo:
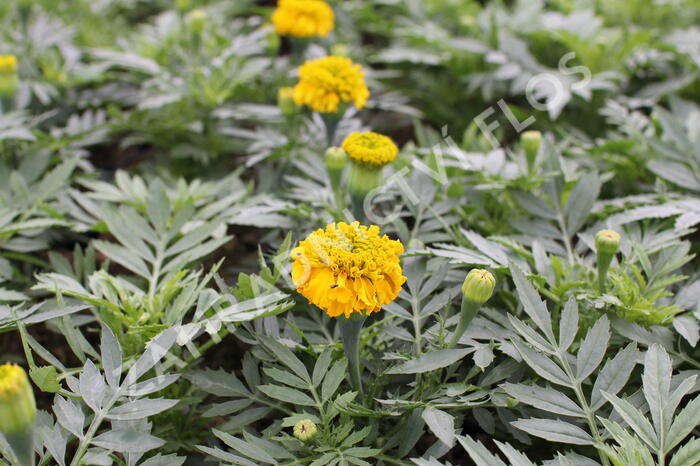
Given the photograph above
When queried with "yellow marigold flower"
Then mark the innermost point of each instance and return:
(303, 18)
(370, 148)
(348, 269)
(8, 64)
(17, 405)
(325, 82)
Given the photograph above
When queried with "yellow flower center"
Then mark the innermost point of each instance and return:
(303, 18)
(325, 82)
(348, 268)
(13, 379)
(370, 148)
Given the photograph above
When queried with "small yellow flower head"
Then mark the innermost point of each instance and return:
(607, 242)
(305, 430)
(326, 82)
(285, 100)
(303, 18)
(17, 405)
(8, 64)
(348, 269)
(370, 148)
(478, 286)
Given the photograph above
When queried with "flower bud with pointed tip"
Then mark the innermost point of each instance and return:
(285, 101)
(336, 158)
(305, 430)
(17, 405)
(478, 286)
(530, 142)
(607, 242)
(9, 80)
(340, 50)
(196, 20)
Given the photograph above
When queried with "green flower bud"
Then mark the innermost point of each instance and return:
(196, 20)
(9, 80)
(336, 158)
(183, 5)
(285, 101)
(340, 50)
(17, 405)
(478, 286)
(305, 430)
(607, 242)
(530, 142)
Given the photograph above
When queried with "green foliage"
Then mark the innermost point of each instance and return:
(152, 192)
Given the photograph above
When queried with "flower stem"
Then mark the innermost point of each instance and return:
(604, 261)
(468, 311)
(350, 333)
(331, 121)
(357, 207)
(22, 444)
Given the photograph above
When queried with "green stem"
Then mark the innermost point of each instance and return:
(331, 121)
(468, 311)
(583, 403)
(566, 238)
(350, 333)
(22, 444)
(357, 207)
(604, 261)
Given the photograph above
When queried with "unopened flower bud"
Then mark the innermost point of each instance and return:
(530, 142)
(305, 430)
(183, 5)
(607, 242)
(196, 20)
(340, 50)
(478, 286)
(285, 101)
(17, 405)
(8, 75)
(336, 158)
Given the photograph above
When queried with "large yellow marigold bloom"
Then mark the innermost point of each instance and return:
(303, 18)
(348, 268)
(325, 82)
(370, 148)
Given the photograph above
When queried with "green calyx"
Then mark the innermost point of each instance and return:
(478, 286)
(607, 242)
(364, 178)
